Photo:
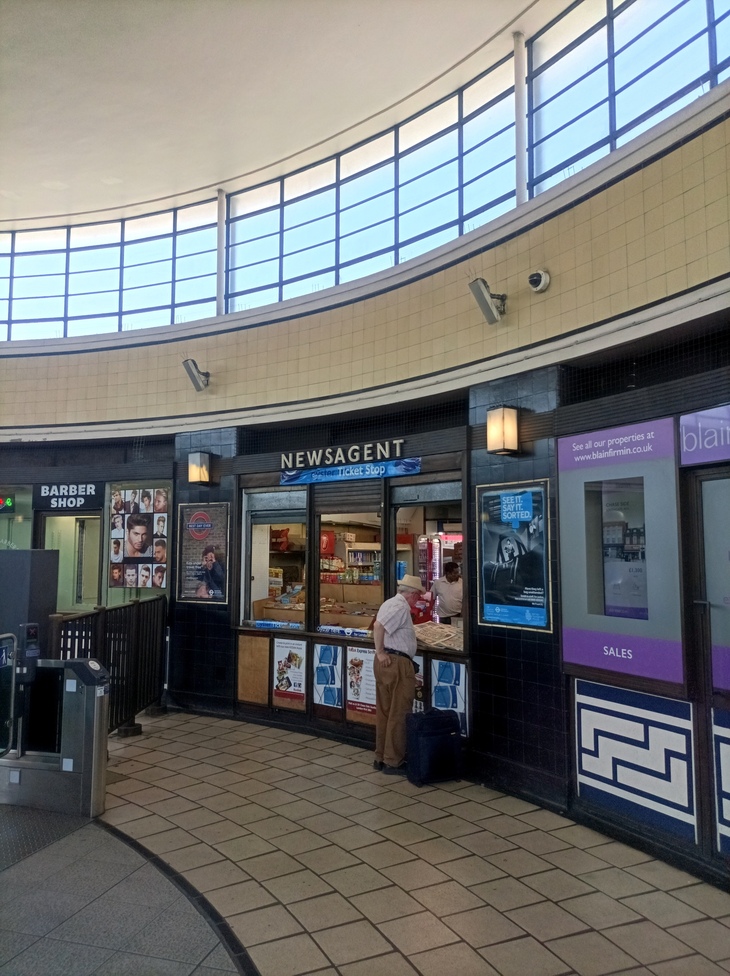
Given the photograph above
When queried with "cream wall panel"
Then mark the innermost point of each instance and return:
(656, 232)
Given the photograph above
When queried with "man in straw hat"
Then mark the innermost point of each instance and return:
(395, 675)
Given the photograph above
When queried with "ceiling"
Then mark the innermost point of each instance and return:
(111, 107)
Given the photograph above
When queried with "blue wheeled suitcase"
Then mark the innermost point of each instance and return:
(433, 745)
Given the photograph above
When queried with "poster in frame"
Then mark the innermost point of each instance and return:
(137, 538)
(202, 546)
(513, 557)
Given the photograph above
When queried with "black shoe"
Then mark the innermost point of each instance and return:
(378, 765)
(395, 770)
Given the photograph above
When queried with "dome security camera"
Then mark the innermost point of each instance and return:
(539, 281)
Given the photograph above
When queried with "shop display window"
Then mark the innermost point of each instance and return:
(616, 548)
(278, 574)
(350, 572)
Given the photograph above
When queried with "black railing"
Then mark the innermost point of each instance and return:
(128, 640)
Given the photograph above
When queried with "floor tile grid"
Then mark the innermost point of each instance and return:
(316, 860)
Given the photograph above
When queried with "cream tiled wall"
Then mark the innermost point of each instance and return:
(651, 235)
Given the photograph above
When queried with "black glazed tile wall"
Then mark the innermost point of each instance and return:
(519, 700)
(202, 641)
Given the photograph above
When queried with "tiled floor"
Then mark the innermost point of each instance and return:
(321, 865)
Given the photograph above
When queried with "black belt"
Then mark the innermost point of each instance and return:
(398, 653)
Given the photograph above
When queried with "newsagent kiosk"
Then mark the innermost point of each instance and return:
(332, 516)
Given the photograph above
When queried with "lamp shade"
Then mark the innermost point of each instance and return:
(502, 431)
(199, 469)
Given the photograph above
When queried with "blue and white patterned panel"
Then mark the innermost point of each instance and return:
(721, 753)
(635, 756)
(327, 684)
(448, 689)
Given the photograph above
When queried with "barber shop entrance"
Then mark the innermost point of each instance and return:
(68, 518)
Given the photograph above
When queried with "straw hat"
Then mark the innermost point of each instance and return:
(413, 583)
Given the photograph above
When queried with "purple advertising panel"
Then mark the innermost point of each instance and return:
(647, 657)
(705, 436)
(617, 446)
(619, 563)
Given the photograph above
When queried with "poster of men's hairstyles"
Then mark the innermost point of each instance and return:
(513, 558)
(202, 547)
(138, 542)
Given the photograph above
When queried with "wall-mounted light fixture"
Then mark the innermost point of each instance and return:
(502, 431)
(198, 377)
(491, 305)
(199, 469)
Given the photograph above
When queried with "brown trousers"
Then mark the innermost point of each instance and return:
(395, 689)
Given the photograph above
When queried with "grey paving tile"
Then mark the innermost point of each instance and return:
(661, 875)
(289, 957)
(599, 911)
(352, 942)
(483, 926)
(506, 893)
(708, 937)
(522, 956)
(323, 912)
(13, 943)
(146, 886)
(458, 958)
(220, 960)
(696, 965)
(264, 925)
(48, 957)
(615, 882)
(647, 943)
(179, 933)
(557, 885)
(390, 965)
(591, 954)
(132, 964)
(663, 909)
(546, 921)
(417, 933)
(385, 904)
(705, 898)
(39, 911)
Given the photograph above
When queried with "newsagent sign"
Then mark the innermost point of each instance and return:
(620, 551)
(352, 462)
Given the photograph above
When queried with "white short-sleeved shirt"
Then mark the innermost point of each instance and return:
(395, 616)
(450, 596)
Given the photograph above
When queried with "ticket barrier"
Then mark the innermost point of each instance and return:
(53, 728)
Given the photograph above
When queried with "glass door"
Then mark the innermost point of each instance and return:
(708, 643)
(77, 539)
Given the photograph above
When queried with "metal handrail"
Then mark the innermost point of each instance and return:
(128, 640)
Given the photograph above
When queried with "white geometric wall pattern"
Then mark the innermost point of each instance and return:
(721, 751)
(634, 756)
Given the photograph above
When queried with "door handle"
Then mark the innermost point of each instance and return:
(701, 603)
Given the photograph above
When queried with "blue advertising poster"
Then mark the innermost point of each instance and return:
(327, 686)
(448, 689)
(513, 561)
(351, 472)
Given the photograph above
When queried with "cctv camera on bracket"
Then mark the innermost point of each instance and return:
(492, 306)
(539, 280)
(198, 377)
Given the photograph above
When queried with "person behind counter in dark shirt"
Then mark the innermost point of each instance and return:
(449, 593)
